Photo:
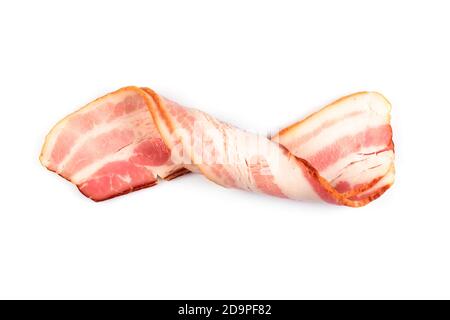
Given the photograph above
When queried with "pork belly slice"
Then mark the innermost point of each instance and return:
(126, 140)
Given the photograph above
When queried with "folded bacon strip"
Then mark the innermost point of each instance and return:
(124, 141)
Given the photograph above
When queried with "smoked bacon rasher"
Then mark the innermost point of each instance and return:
(129, 139)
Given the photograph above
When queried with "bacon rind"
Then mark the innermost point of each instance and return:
(167, 126)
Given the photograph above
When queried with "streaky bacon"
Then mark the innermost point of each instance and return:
(126, 140)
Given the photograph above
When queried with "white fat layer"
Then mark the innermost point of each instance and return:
(364, 171)
(291, 179)
(328, 136)
(368, 102)
(388, 179)
(337, 168)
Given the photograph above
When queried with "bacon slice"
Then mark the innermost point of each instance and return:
(124, 141)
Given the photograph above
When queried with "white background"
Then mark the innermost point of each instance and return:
(256, 64)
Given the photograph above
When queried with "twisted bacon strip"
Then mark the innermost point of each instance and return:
(125, 140)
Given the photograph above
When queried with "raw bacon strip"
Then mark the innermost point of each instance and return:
(123, 141)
